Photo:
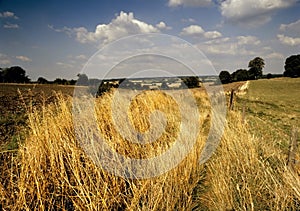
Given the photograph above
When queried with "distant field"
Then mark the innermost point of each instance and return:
(16, 101)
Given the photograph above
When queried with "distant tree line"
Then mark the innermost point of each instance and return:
(254, 72)
(16, 74)
(291, 69)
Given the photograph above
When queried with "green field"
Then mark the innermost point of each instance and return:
(273, 108)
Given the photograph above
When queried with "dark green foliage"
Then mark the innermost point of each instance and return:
(42, 80)
(269, 76)
(225, 77)
(292, 66)
(61, 81)
(191, 82)
(256, 66)
(240, 75)
(14, 74)
(72, 82)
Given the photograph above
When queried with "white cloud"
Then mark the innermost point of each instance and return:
(162, 25)
(195, 30)
(123, 25)
(189, 3)
(4, 59)
(246, 40)
(274, 55)
(192, 30)
(240, 45)
(24, 58)
(286, 40)
(10, 26)
(252, 12)
(295, 26)
(212, 34)
(8, 14)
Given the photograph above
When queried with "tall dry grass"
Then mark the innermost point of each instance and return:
(248, 173)
(51, 171)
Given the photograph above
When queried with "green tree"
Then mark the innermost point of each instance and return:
(191, 82)
(225, 77)
(269, 76)
(14, 74)
(256, 66)
(42, 80)
(292, 66)
(58, 81)
(240, 75)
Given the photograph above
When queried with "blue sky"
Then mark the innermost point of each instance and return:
(54, 39)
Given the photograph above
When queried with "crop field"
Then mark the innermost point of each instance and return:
(43, 167)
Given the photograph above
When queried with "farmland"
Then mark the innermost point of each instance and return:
(19, 99)
(49, 170)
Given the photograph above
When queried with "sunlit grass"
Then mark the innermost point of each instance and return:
(248, 171)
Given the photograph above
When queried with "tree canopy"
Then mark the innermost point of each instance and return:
(240, 75)
(14, 74)
(256, 66)
(292, 66)
(225, 77)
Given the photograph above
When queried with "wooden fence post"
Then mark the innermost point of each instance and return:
(231, 100)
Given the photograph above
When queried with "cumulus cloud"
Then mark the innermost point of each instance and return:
(252, 12)
(190, 3)
(240, 45)
(8, 14)
(212, 34)
(195, 30)
(248, 40)
(24, 58)
(123, 25)
(162, 25)
(10, 26)
(286, 40)
(192, 30)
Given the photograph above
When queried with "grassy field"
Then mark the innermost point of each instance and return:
(273, 109)
(50, 171)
